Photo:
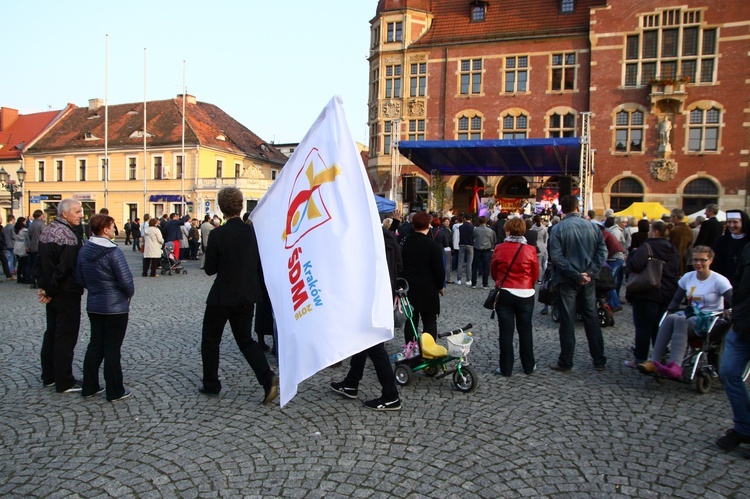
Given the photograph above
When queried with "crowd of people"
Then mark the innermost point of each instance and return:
(704, 269)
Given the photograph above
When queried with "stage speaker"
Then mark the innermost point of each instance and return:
(565, 186)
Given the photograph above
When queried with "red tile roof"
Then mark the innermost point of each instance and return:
(22, 131)
(507, 19)
(204, 123)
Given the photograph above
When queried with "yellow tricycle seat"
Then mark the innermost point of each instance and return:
(430, 349)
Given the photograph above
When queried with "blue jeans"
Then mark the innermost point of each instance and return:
(481, 265)
(570, 296)
(613, 297)
(465, 259)
(11, 260)
(733, 362)
(646, 315)
(510, 309)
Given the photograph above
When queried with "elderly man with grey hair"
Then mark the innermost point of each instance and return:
(58, 290)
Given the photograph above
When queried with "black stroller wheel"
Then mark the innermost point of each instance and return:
(703, 382)
(402, 373)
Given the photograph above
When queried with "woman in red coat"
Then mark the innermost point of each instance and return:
(515, 269)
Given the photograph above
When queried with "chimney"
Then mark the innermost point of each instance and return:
(7, 117)
(190, 99)
(95, 104)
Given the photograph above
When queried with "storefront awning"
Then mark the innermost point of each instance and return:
(561, 156)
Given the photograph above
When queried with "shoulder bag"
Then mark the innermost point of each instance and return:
(491, 301)
(649, 278)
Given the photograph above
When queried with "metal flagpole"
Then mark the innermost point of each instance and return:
(184, 163)
(145, 158)
(106, 122)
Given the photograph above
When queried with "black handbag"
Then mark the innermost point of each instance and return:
(547, 289)
(647, 279)
(491, 301)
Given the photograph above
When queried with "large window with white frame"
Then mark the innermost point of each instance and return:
(470, 76)
(178, 166)
(416, 129)
(516, 74)
(40, 171)
(393, 81)
(703, 129)
(629, 130)
(469, 127)
(158, 167)
(671, 45)
(394, 32)
(418, 79)
(132, 167)
(59, 170)
(103, 174)
(564, 70)
(561, 125)
(515, 126)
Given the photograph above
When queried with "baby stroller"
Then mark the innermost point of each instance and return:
(169, 263)
(604, 284)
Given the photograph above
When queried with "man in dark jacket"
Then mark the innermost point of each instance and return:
(3, 258)
(710, 229)
(736, 357)
(649, 306)
(173, 232)
(424, 271)
(35, 230)
(232, 255)
(59, 244)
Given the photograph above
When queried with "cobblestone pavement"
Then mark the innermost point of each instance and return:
(580, 434)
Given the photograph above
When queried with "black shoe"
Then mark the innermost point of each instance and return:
(600, 367)
(99, 391)
(555, 366)
(379, 404)
(344, 390)
(732, 440)
(532, 370)
(122, 397)
(210, 393)
(271, 390)
(47, 384)
(73, 389)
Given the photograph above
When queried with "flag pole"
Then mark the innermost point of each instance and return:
(145, 157)
(184, 163)
(106, 122)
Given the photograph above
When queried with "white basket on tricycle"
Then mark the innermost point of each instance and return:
(459, 344)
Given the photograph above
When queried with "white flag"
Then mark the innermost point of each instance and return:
(323, 255)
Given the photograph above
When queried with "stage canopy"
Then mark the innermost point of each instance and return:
(557, 156)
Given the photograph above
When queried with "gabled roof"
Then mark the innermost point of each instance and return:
(206, 125)
(22, 132)
(505, 20)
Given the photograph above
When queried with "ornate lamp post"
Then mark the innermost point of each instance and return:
(13, 186)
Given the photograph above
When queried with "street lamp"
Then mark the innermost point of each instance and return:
(13, 186)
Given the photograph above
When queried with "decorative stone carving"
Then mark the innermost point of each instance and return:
(416, 108)
(665, 129)
(374, 110)
(392, 109)
(663, 169)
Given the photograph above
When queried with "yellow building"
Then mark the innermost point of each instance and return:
(154, 172)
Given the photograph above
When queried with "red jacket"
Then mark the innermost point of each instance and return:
(525, 269)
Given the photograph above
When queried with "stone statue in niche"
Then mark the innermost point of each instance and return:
(665, 130)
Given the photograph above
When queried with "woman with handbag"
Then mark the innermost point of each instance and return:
(649, 305)
(515, 269)
(706, 291)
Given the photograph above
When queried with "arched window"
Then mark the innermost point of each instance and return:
(469, 127)
(629, 131)
(625, 192)
(562, 125)
(515, 127)
(698, 193)
(703, 130)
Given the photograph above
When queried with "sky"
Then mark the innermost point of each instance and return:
(272, 65)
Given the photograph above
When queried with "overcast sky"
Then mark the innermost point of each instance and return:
(272, 65)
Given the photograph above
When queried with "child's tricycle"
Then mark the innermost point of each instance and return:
(432, 359)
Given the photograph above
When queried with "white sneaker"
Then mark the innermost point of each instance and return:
(458, 281)
(468, 283)
(473, 287)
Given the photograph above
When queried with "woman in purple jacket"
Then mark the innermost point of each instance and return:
(103, 271)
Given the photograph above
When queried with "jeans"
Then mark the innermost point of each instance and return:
(107, 335)
(733, 363)
(383, 369)
(31, 268)
(613, 296)
(570, 296)
(646, 315)
(60, 338)
(447, 260)
(510, 309)
(481, 265)
(240, 319)
(6, 267)
(137, 243)
(11, 259)
(465, 259)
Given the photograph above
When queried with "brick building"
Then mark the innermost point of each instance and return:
(665, 84)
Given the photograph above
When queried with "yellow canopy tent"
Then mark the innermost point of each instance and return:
(651, 211)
